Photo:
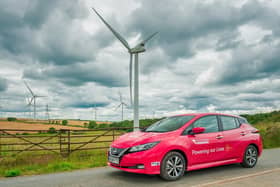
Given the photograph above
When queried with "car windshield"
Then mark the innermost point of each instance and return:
(169, 124)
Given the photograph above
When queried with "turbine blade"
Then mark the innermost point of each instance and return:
(148, 38)
(118, 107)
(40, 96)
(28, 88)
(120, 96)
(121, 39)
(30, 102)
(130, 79)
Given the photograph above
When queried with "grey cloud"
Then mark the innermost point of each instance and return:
(79, 74)
(3, 84)
(47, 31)
(88, 104)
(181, 23)
(250, 64)
(44, 42)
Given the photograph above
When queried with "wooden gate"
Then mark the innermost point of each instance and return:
(63, 142)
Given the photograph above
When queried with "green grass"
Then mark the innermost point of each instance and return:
(39, 162)
(12, 173)
(31, 163)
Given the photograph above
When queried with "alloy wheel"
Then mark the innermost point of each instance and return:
(174, 166)
(251, 156)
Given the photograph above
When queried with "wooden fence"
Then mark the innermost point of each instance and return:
(63, 142)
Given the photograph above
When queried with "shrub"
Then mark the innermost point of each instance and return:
(85, 124)
(52, 130)
(64, 122)
(103, 125)
(92, 125)
(271, 137)
(12, 173)
(11, 119)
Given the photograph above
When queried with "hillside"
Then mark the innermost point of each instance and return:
(269, 126)
(263, 117)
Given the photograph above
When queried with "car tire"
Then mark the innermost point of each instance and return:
(173, 166)
(250, 157)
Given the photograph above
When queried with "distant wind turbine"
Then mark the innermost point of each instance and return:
(121, 104)
(33, 98)
(29, 105)
(95, 112)
(47, 112)
(139, 48)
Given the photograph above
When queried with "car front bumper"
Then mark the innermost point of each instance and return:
(145, 162)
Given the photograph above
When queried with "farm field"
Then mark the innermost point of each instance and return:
(33, 126)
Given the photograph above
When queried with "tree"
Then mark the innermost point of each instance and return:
(92, 125)
(64, 122)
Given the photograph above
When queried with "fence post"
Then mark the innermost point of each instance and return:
(60, 142)
(69, 144)
(113, 134)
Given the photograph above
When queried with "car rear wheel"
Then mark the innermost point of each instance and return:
(173, 166)
(250, 157)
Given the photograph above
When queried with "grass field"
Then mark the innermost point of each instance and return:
(38, 162)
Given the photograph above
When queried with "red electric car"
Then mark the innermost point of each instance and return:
(187, 142)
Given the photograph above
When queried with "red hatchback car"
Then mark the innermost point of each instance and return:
(187, 142)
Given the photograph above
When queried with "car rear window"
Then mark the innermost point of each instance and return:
(243, 120)
(228, 122)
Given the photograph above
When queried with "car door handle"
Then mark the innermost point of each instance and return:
(243, 133)
(219, 137)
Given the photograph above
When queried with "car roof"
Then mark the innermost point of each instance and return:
(207, 113)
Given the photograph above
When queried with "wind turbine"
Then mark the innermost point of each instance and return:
(33, 98)
(139, 48)
(121, 104)
(47, 112)
(95, 112)
(29, 105)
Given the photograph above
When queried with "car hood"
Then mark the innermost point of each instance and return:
(137, 138)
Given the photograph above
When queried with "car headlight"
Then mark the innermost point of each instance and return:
(142, 147)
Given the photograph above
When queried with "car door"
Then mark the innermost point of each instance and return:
(207, 146)
(233, 136)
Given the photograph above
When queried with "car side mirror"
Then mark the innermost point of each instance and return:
(197, 130)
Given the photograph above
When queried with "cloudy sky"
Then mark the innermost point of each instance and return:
(209, 55)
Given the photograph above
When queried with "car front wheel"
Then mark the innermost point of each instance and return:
(173, 166)
(250, 157)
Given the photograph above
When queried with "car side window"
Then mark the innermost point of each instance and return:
(243, 120)
(228, 122)
(210, 123)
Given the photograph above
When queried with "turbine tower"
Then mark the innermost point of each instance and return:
(33, 98)
(121, 104)
(47, 112)
(139, 48)
(95, 112)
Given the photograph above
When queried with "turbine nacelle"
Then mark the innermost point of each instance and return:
(138, 49)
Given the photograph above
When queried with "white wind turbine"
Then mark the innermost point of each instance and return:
(121, 104)
(33, 98)
(139, 48)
